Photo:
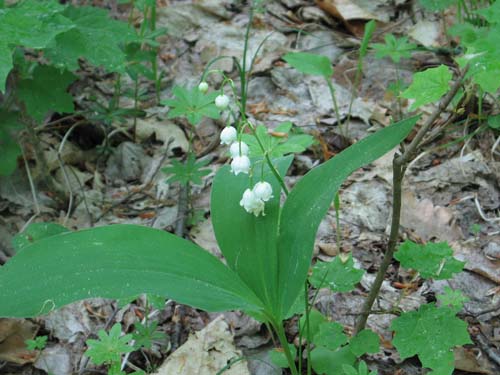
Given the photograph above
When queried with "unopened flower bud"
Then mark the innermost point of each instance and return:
(222, 102)
(228, 135)
(238, 149)
(240, 164)
(263, 190)
(203, 87)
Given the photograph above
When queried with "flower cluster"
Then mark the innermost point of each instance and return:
(238, 150)
(253, 201)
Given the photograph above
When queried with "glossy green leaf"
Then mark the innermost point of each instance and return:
(310, 63)
(432, 260)
(428, 86)
(35, 232)
(249, 243)
(95, 37)
(115, 262)
(365, 341)
(338, 275)
(46, 91)
(431, 333)
(310, 199)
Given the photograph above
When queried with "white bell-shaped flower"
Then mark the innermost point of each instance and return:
(263, 190)
(238, 149)
(228, 135)
(222, 102)
(240, 164)
(203, 87)
(251, 203)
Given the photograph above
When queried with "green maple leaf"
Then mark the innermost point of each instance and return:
(32, 24)
(395, 48)
(189, 172)
(431, 333)
(337, 275)
(192, 104)
(453, 299)
(433, 260)
(46, 91)
(110, 347)
(9, 148)
(437, 5)
(146, 334)
(330, 335)
(428, 86)
(309, 63)
(95, 37)
(491, 13)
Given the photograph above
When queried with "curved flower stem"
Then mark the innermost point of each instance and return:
(335, 104)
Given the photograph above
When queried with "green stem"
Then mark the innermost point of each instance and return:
(335, 105)
(308, 329)
(336, 204)
(284, 343)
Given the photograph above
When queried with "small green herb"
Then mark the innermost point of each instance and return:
(189, 172)
(192, 104)
(37, 344)
(395, 48)
(338, 275)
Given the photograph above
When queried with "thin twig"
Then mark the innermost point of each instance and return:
(399, 167)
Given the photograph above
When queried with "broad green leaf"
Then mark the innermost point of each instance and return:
(278, 357)
(249, 243)
(361, 370)
(331, 362)
(191, 171)
(35, 232)
(192, 104)
(491, 13)
(453, 299)
(46, 91)
(115, 262)
(431, 333)
(308, 202)
(432, 260)
(428, 86)
(95, 37)
(494, 121)
(330, 335)
(316, 319)
(33, 23)
(437, 5)
(9, 148)
(110, 347)
(309, 63)
(395, 48)
(5, 64)
(338, 275)
(365, 341)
